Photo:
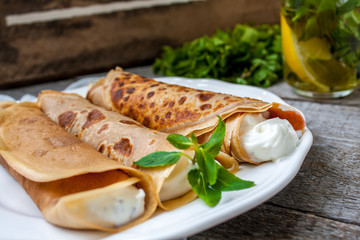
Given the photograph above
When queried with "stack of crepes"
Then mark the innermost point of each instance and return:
(72, 184)
(122, 139)
(256, 131)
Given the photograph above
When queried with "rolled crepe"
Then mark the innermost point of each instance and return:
(121, 139)
(72, 184)
(176, 109)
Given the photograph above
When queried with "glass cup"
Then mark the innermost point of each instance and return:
(321, 46)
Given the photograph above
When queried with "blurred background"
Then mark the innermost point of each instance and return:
(42, 41)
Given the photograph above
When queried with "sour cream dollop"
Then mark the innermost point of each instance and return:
(269, 139)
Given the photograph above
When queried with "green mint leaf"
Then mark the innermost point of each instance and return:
(179, 141)
(300, 12)
(312, 29)
(200, 186)
(352, 20)
(347, 6)
(227, 181)
(207, 165)
(213, 146)
(157, 159)
(326, 16)
(193, 139)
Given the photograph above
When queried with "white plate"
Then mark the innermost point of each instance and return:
(20, 219)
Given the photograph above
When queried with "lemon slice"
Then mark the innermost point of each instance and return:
(296, 53)
(316, 48)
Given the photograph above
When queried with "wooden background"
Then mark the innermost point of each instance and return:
(57, 49)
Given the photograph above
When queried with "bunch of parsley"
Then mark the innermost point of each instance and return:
(336, 20)
(249, 55)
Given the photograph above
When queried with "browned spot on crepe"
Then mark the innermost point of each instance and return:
(93, 117)
(182, 100)
(66, 119)
(103, 128)
(124, 147)
(128, 122)
(205, 106)
(101, 148)
(146, 121)
(116, 95)
(205, 96)
(150, 94)
(130, 90)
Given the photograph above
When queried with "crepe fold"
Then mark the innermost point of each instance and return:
(176, 109)
(72, 184)
(121, 139)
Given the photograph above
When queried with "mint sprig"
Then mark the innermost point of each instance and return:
(334, 20)
(207, 178)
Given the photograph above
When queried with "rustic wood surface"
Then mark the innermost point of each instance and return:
(63, 48)
(323, 200)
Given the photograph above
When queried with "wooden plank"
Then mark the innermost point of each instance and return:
(271, 222)
(25, 6)
(328, 183)
(46, 51)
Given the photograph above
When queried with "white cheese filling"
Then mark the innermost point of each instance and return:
(177, 183)
(267, 139)
(117, 208)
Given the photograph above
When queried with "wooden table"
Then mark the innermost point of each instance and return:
(323, 200)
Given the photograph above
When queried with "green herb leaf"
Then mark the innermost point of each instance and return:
(300, 12)
(193, 139)
(312, 29)
(326, 16)
(179, 141)
(157, 159)
(200, 186)
(207, 165)
(347, 6)
(227, 181)
(213, 146)
(227, 55)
